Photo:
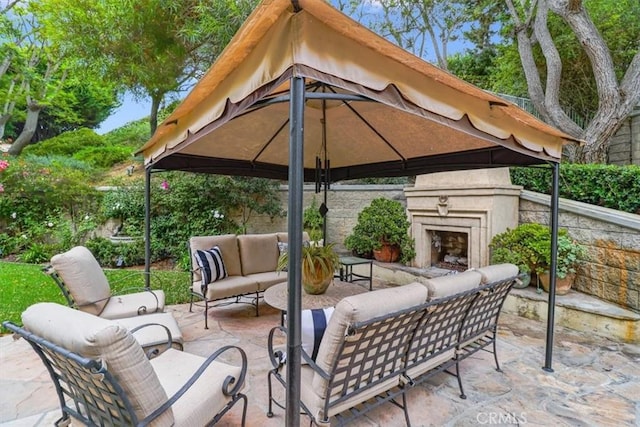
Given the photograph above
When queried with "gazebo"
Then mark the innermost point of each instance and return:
(304, 93)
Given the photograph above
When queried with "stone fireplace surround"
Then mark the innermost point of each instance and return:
(479, 203)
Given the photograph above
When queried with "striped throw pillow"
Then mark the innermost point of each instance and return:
(211, 266)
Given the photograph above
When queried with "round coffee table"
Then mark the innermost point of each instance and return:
(277, 295)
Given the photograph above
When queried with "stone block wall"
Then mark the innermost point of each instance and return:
(611, 268)
(344, 203)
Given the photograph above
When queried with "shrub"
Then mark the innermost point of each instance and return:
(104, 157)
(207, 201)
(38, 191)
(384, 220)
(66, 144)
(610, 186)
(529, 247)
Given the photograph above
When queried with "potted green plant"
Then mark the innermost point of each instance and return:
(382, 229)
(313, 221)
(318, 267)
(529, 247)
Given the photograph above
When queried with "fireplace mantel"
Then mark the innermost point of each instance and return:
(478, 203)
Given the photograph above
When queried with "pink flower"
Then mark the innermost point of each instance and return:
(164, 185)
(1, 188)
(3, 165)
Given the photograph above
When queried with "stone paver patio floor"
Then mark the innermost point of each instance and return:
(596, 382)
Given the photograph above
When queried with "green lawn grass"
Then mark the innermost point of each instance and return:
(22, 285)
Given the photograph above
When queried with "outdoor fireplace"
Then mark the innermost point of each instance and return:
(454, 216)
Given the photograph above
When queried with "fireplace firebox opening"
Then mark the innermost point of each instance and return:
(449, 250)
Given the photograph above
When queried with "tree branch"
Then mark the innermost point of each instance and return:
(554, 73)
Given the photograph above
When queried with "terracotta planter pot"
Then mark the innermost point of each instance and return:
(316, 284)
(563, 286)
(387, 253)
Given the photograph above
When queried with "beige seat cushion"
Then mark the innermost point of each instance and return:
(258, 253)
(84, 278)
(97, 338)
(128, 305)
(153, 336)
(268, 279)
(205, 398)
(496, 272)
(228, 244)
(227, 287)
(444, 286)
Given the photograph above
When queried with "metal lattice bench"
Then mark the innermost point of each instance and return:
(380, 344)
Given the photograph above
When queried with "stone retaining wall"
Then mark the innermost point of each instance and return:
(611, 268)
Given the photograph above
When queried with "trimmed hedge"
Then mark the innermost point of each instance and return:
(609, 186)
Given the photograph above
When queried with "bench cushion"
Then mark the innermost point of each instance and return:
(259, 253)
(228, 287)
(493, 273)
(444, 286)
(82, 274)
(97, 338)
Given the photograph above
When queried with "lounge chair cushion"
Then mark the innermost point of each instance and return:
(97, 338)
(493, 273)
(84, 277)
(128, 305)
(205, 398)
(444, 286)
(211, 265)
(266, 245)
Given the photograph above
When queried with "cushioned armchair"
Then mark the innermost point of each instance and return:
(103, 377)
(86, 288)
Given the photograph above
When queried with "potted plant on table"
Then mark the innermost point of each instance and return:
(382, 229)
(318, 267)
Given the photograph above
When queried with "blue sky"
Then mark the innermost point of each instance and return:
(130, 110)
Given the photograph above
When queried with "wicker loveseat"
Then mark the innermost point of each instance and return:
(380, 344)
(250, 261)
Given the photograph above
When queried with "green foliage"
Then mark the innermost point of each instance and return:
(113, 255)
(610, 186)
(384, 220)
(37, 193)
(312, 220)
(133, 134)
(529, 247)
(66, 144)
(104, 157)
(318, 261)
(207, 201)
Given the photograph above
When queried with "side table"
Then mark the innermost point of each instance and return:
(346, 270)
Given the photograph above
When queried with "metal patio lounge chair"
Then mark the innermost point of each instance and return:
(103, 377)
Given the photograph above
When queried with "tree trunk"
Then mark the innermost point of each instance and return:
(153, 116)
(30, 124)
(4, 119)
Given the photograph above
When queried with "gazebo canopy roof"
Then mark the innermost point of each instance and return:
(371, 108)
